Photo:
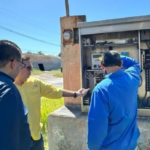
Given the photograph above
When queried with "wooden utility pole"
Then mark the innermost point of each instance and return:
(67, 7)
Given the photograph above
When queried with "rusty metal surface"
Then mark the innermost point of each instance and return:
(69, 23)
(71, 71)
(71, 59)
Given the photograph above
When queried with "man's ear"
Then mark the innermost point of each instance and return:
(121, 63)
(102, 66)
(13, 64)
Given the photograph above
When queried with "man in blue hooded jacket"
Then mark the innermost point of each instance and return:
(112, 123)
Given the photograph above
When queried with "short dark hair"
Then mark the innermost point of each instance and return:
(25, 58)
(111, 58)
(8, 51)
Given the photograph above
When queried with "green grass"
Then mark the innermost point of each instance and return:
(47, 107)
(56, 73)
(36, 72)
(59, 74)
(57, 70)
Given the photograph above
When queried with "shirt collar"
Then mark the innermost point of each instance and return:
(114, 74)
(7, 76)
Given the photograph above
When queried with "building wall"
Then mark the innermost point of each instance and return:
(49, 62)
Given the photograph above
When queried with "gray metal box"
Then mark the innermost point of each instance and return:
(145, 35)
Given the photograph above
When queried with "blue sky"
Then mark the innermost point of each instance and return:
(40, 19)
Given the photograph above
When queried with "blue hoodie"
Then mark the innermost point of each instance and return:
(112, 123)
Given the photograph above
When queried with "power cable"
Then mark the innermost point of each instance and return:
(34, 51)
(1, 27)
(35, 25)
(20, 17)
(29, 20)
(23, 29)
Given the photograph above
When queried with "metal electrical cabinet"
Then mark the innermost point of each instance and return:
(129, 36)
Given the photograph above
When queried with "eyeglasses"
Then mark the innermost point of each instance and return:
(22, 65)
(28, 67)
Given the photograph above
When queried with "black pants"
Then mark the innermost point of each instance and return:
(37, 144)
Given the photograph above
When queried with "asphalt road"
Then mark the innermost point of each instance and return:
(48, 78)
(57, 82)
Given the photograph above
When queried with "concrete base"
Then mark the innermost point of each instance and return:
(144, 126)
(67, 130)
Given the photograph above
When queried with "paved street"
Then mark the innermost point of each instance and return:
(47, 77)
(57, 82)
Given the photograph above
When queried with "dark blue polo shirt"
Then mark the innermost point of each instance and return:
(14, 127)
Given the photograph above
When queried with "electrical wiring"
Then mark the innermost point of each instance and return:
(148, 45)
(1, 27)
(141, 100)
(141, 80)
(88, 75)
(24, 29)
(31, 51)
(95, 74)
(24, 19)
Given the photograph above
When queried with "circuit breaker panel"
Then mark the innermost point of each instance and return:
(127, 44)
(147, 69)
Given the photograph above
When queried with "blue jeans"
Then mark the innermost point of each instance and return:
(37, 144)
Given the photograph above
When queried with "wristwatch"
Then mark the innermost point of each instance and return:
(74, 94)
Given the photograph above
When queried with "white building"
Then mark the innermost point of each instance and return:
(44, 62)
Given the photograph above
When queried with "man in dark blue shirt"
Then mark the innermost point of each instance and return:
(112, 123)
(14, 128)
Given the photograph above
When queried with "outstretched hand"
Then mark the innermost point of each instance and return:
(82, 92)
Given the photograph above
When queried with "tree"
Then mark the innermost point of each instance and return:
(59, 54)
(40, 53)
(28, 52)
